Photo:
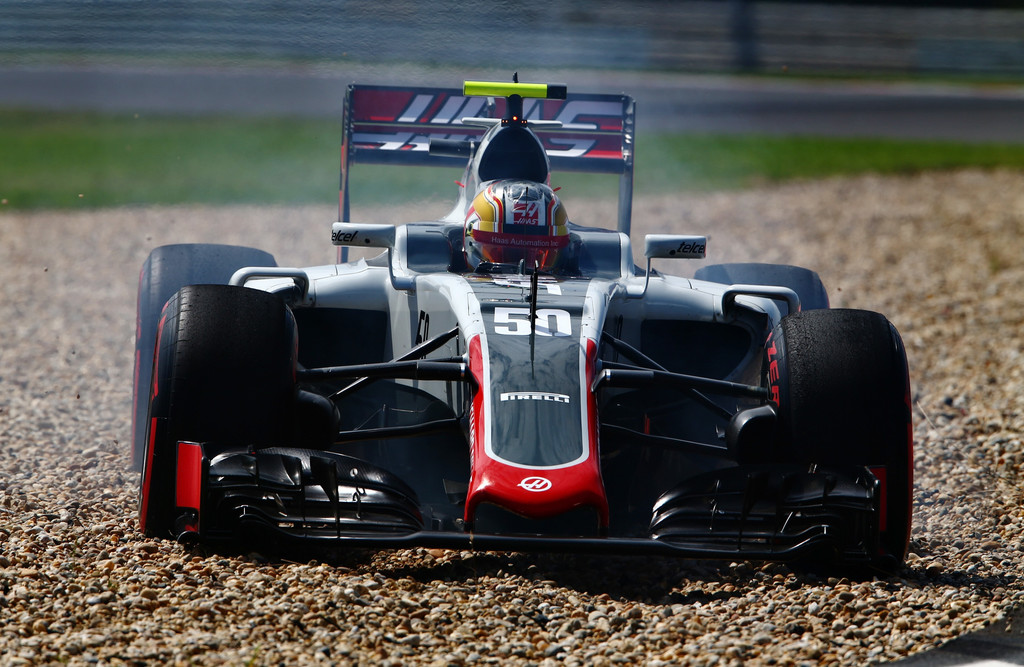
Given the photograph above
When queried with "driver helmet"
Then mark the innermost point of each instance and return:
(515, 220)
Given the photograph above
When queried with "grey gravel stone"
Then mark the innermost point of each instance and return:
(942, 255)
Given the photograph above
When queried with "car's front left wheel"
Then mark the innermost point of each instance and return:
(839, 382)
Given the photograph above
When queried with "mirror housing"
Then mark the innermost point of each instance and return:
(675, 246)
(363, 235)
(669, 246)
(366, 235)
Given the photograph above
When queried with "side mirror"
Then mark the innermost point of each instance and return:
(669, 246)
(363, 235)
(674, 246)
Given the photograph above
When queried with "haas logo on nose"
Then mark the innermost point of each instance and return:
(535, 484)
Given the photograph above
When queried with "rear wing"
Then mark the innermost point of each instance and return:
(394, 125)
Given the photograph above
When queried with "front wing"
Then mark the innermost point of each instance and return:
(277, 497)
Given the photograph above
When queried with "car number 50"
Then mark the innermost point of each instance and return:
(516, 322)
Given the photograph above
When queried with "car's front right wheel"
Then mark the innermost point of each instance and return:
(223, 375)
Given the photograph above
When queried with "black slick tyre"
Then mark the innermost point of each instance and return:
(806, 283)
(840, 385)
(166, 270)
(224, 375)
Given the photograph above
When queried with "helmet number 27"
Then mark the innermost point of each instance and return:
(516, 322)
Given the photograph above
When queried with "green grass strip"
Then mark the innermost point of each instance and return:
(70, 160)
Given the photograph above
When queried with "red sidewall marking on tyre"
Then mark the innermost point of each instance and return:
(147, 466)
(147, 474)
(156, 355)
(773, 370)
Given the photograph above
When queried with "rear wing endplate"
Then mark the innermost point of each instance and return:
(394, 125)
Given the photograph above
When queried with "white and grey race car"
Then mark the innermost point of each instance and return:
(434, 397)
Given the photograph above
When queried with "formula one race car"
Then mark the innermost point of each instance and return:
(506, 379)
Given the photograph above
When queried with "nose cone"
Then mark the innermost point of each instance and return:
(535, 450)
(538, 494)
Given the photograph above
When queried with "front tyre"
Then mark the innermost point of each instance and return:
(224, 375)
(840, 385)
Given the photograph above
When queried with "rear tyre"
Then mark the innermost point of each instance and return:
(224, 375)
(806, 283)
(166, 270)
(840, 384)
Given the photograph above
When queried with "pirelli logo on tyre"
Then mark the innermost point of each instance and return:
(773, 371)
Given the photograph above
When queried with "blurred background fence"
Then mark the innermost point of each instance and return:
(710, 36)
